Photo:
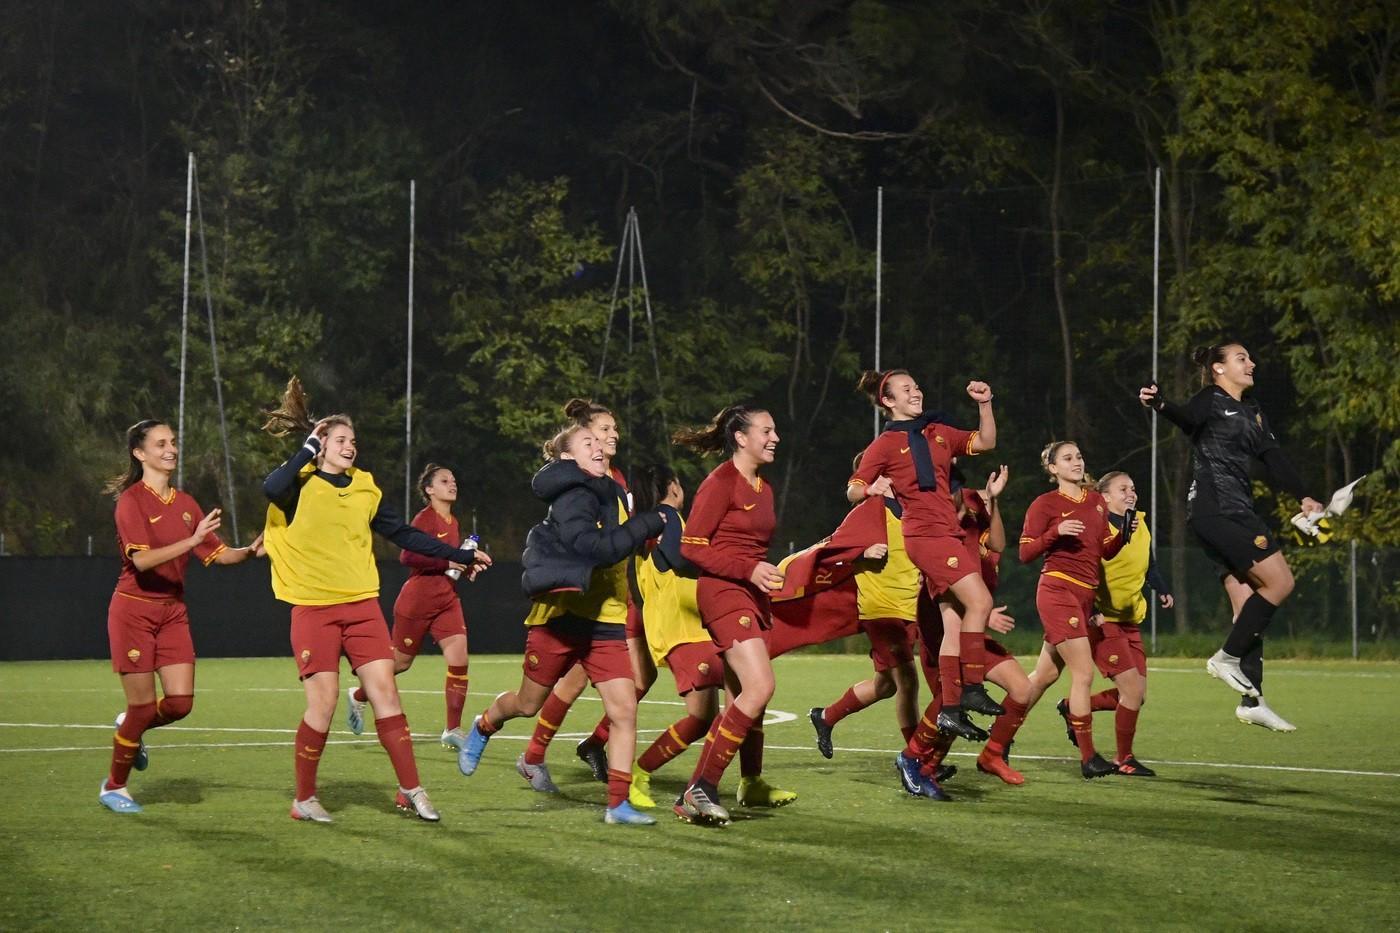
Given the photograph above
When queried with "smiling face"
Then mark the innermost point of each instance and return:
(338, 449)
(442, 487)
(1120, 494)
(604, 427)
(759, 441)
(585, 449)
(158, 451)
(1067, 465)
(1235, 371)
(903, 397)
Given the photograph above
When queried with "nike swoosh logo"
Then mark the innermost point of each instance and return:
(1066, 514)
(442, 534)
(343, 494)
(750, 507)
(904, 450)
(1229, 412)
(156, 519)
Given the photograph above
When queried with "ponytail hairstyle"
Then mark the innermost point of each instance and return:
(562, 441)
(425, 479)
(1047, 456)
(649, 486)
(872, 383)
(1208, 357)
(718, 435)
(135, 437)
(582, 411)
(293, 414)
(1107, 480)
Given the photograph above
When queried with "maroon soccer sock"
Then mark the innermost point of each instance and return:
(398, 742)
(726, 737)
(360, 695)
(309, 745)
(1104, 700)
(485, 726)
(751, 752)
(601, 731)
(1125, 728)
(551, 717)
(925, 735)
(848, 704)
(1083, 727)
(172, 708)
(972, 652)
(940, 749)
(126, 742)
(455, 692)
(619, 782)
(672, 742)
(1007, 724)
(950, 680)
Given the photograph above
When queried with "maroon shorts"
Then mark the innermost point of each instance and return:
(553, 648)
(696, 666)
(321, 634)
(732, 612)
(891, 642)
(1118, 648)
(943, 561)
(147, 634)
(1064, 609)
(414, 619)
(635, 628)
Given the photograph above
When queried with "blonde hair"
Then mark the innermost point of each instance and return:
(1047, 457)
(293, 414)
(561, 441)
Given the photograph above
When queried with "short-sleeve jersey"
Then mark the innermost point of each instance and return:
(147, 522)
(927, 512)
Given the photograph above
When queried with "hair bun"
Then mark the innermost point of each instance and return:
(1201, 355)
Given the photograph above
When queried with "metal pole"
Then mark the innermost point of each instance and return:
(214, 358)
(184, 319)
(1156, 319)
(879, 263)
(408, 390)
(1355, 623)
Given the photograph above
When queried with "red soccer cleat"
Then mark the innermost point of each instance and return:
(988, 763)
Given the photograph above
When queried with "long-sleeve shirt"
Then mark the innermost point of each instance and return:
(730, 525)
(148, 522)
(1074, 558)
(927, 512)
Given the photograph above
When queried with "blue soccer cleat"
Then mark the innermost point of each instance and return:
(916, 783)
(142, 759)
(470, 755)
(118, 801)
(624, 814)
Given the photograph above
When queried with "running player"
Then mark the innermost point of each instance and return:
(148, 626)
(427, 604)
(1069, 527)
(911, 457)
(1228, 432)
(731, 524)
(321, 515)
(1120, 611)
(576, 576)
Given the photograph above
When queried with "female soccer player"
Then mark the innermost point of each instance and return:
(321, 513)
(731, 523)
(427, 604)
(911, 457)
(1228, 432)
(1069, 527)
(1120, 611)
(148, 627)
(576, 575)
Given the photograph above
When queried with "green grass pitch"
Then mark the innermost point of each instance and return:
(1243, 829)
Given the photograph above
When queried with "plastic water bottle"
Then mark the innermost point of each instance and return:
(453, 573)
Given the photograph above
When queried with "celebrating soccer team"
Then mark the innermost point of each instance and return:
(621, 583)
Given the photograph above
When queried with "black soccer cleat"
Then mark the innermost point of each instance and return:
(944, 773)
(823, 731)
(1131, 767)
(593, 755)
(976, 700)
(1097, 767)
(1006, 752)
(955, 722)
(1062, 708)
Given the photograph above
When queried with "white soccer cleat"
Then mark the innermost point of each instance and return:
(354, 712)
(417, 803)
(1226, 667)
(310, 810)
(1261, 715)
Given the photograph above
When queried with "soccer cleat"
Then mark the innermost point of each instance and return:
(118, 801)
(915, 782)
(625, 815)
(593, 755)
(1131, 767)
(417, 803)
(469, 755)
(823, 731)
(142, 759)
(639, 794)
(1006, 751)
(976, 700)
(756, 792)
(1226, 667)
(989, 763)
(536, 775)
(697, 806)
(1097, 767)
(354, 712)
(454, 738)
(1062, 708)
(310, 810)
(1262, 715)
(945, 773)
(955, 722)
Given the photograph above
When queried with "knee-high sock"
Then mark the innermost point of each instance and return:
(1125, 728)
(950, 680)
(725, 737)
(546, 724)
(1252, 663)
(1103, 700)
(1006, 726)
(925, 736)
(455, 692)
(619, 783)
(672, 742)
(1255, 616)
(310, 744)
(172, 708)
(972, 651)
(848, 704)
(751, 752)
(127, 741)
(1083, 727)
(398, 742)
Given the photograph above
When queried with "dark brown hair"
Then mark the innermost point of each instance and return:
(293, 415)
(135, 437)
(649, 486)
(582, 411)
(872, 383)
(718, 435)
(425, 479)
(1207, 357)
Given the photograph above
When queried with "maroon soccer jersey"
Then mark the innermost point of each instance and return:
(976, 525)
(146, 522)
(448, 531)
(927, 512)
(730, 524)
(1070, 557)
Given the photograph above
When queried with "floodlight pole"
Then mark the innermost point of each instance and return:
(408, 389)
(184, 319)
(879, 263)
(1156, 318)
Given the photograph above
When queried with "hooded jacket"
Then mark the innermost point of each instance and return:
(583, 530)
